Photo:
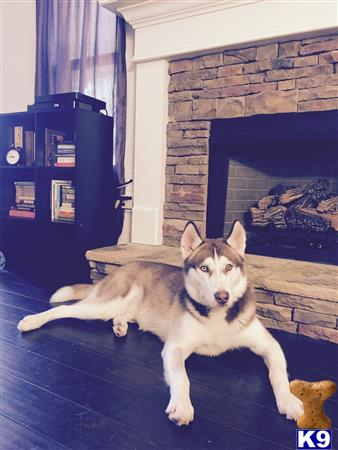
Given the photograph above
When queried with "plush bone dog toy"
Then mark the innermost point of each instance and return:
(313, 396)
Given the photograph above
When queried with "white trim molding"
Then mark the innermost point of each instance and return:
(151, 116)
(141, 14)
(171, 28)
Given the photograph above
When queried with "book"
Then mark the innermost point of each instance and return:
(24, 207)
(65, 159)
(66, 146)
(18, 136)
(52, 138)
(64, 164)
(24, 214)
(64, 151)
(67, 214)
(67, 197)
(26, 200)
(29, 148)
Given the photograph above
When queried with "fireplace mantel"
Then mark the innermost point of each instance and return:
(147, 13)
(169, 28)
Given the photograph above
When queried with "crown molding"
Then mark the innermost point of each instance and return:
(144, 13)
(165, 29)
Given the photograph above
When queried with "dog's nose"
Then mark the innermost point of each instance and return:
(221, 297)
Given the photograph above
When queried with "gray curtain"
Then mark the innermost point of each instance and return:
(81, 47)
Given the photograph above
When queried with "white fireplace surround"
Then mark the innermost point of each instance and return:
(173, 29)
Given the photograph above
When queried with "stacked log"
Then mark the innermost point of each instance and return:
(305, 219)
(307, 207)
(267, 201)
(328, 206)
(274, 215)
(330, 219)
(292, 194)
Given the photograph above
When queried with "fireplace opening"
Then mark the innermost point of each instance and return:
(279, 175)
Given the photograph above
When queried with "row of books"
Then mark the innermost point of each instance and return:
(24, 200)
(58, 151)
(65, 154)
(62, 201)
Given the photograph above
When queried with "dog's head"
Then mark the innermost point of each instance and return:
(214, 269)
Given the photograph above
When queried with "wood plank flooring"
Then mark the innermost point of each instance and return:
(74, 385)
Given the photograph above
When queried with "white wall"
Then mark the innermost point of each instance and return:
(17, 54)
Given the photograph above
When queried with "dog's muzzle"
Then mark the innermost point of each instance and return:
(221, 297)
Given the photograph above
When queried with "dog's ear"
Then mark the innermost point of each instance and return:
(191, 239)
(237, 237)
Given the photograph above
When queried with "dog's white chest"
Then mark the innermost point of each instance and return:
(215, 336)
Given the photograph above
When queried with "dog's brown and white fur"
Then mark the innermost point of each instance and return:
(208, 308)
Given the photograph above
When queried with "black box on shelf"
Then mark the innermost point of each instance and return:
(69, 100)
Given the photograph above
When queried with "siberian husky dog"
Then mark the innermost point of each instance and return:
(207, 308)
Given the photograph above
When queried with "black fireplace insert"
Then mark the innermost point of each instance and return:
(279, 174)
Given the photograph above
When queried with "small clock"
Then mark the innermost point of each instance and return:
(14, 156)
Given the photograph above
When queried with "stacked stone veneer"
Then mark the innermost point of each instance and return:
(291, 295)
(296, 76)
(309, 316)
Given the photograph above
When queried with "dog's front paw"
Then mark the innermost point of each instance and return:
(290, 405)
(28, 323)
(180, 411)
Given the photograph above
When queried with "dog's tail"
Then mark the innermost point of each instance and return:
(68, 293)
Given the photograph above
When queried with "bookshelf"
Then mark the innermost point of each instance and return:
(41, 247)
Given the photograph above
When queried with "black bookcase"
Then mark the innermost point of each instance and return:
(38, 249)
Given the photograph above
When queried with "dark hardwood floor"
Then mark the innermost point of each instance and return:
(74, 385)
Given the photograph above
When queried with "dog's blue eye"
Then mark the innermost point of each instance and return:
(204, 268)
(228, 267)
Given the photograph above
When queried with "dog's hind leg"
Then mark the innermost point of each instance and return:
(77, 311)
(68, 293)
(120, 321)
(129, 313)
(91, 308)
(120, 326)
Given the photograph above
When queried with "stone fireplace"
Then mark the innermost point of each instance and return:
(220, 58)
(288, 79)
(203, 62)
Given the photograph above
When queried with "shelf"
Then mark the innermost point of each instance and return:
(37, 221)
(62, 223)
(19, 219)
(56, 224)
(42, 168)
(54, 168)
(17, 167)
(31, 242)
